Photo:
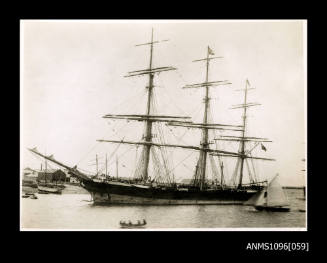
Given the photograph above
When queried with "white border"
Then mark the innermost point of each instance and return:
(160, 21)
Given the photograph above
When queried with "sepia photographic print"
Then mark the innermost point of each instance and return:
(138, 125)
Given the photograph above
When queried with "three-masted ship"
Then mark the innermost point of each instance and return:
(162, 189)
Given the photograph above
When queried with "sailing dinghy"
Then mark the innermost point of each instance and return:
(271, 198)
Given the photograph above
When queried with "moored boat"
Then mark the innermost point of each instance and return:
(48, 190)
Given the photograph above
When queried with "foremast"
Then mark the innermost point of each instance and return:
(148, 123)
(204, 142)
(148, 118)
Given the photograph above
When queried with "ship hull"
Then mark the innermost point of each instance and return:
(127, 194)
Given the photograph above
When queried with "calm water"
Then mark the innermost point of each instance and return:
(75, 211)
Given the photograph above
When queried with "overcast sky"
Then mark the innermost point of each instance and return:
(72, 73)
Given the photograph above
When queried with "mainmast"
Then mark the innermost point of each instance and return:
(201, 166)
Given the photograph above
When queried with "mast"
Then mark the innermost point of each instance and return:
(147, 118)
(243, 136)
(45, 172)
(242, 153)
(96, 160)
(148, 123)
(222, 174)
(116, 167)
(204, 144)
(106, 167)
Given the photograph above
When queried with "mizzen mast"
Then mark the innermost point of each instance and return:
(242, 150)
(243, 154)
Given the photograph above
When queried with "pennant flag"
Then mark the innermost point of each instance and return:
(247, 82)
(210, 51)
(263, 147)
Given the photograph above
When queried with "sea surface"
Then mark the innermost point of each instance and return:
(74, 210)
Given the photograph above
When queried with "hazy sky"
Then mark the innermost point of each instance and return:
(72, 73)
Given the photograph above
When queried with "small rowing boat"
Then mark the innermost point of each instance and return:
(139, 224)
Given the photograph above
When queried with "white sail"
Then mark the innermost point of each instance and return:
(258, 199)
(276, 195)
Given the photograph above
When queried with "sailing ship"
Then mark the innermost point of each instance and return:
(162, 189)
(272, 198)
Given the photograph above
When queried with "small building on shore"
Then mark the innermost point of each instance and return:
(51, 175)
(32, 176)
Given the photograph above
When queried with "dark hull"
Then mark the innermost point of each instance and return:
(272, 209)
(119, 193)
